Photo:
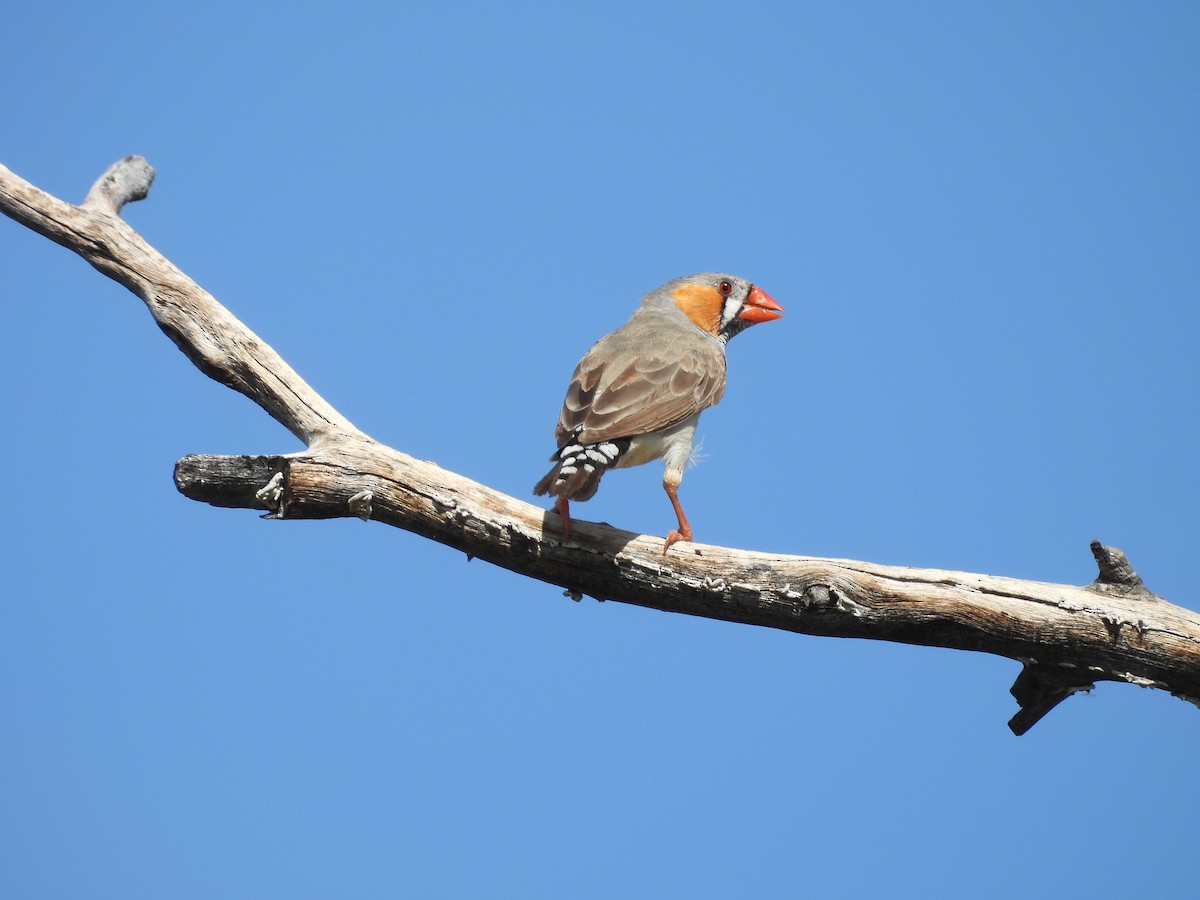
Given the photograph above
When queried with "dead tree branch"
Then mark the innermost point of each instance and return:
(1066, 637)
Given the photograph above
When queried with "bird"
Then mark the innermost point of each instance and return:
(637, 394)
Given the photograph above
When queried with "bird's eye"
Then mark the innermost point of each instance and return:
(725, 287)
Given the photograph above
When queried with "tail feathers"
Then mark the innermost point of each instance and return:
(574, 484)
(578, 468)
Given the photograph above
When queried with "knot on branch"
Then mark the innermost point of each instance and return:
(360, 504)
(1041, 687)
(1116, 574)
(125, 181)
(822, 595)
(271, 495)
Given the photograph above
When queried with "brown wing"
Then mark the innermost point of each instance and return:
(628, 385)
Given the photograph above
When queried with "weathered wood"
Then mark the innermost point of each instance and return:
(1067, 637)
(208, 334)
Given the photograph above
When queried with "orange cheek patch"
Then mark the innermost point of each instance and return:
(700, 303)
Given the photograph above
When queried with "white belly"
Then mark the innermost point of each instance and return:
(673, 445)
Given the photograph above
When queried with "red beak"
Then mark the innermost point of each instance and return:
(759, 307)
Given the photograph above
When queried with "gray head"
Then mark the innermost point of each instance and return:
(719, 304)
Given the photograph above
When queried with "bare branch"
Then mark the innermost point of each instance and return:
(220, 346)
(1066, 637)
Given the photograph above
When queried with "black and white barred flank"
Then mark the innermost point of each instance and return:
(578, 468)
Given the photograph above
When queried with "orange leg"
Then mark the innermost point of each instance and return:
(684, 533)
(562, 506)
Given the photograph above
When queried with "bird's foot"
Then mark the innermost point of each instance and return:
(562, 506)
(684, 532)
(674, 536)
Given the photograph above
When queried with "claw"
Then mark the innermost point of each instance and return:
(674, 536)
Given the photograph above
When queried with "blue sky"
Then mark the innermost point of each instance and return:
(982, 220)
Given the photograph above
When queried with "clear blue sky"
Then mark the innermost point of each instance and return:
(983, 221)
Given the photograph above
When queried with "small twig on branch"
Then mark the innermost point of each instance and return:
(1067, 637)
(126, 180)
(1116, 573)
(1039, 688)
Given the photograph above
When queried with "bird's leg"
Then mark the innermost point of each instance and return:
(562, 506)
(684, 532)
